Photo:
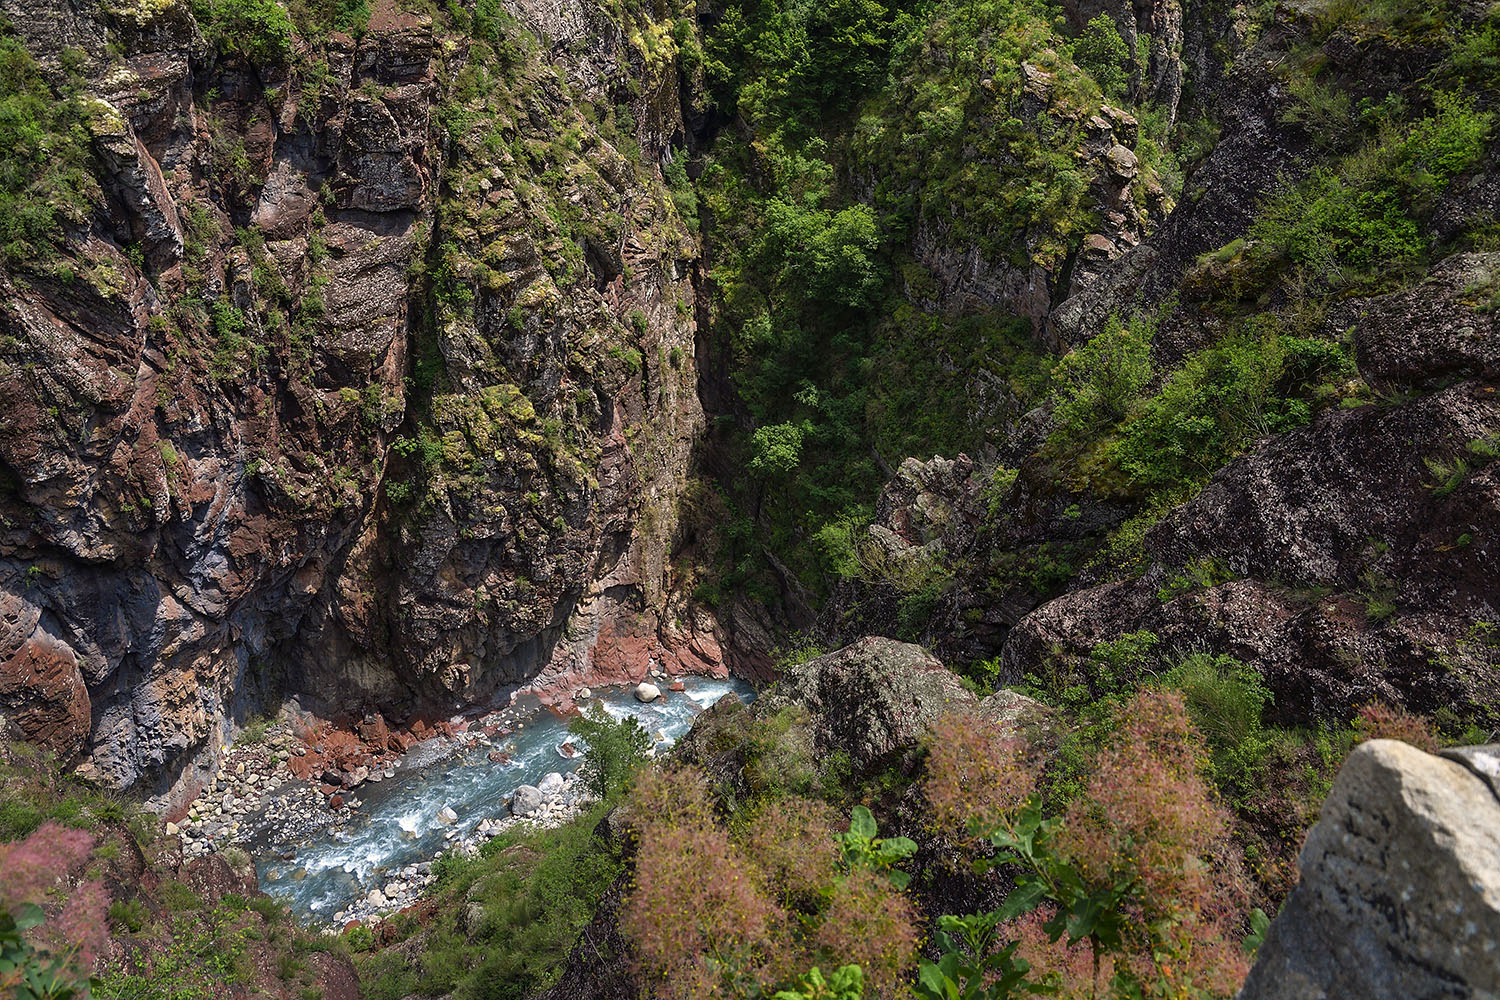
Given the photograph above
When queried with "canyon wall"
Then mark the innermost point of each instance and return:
(368, 374)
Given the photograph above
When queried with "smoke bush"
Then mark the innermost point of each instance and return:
(1378, 721)
(977, 776)
(59, 952)
(1148, 819)
(791, 840)
(871, 924)
(699, 921)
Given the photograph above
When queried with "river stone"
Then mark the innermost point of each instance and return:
(551, 782)
(527, 800)
(375, 898)
(1400, 888)
(647, 692)
(447, 815)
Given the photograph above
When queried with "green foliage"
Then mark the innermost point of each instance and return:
(776, 449)
(681, 188)
(1227, 701)
(1102, 52)
(359, 938)
(846, 983)
(177, 896)
(1089, 694)
(973, 963)
(45, 157)
(254, 730)
(1222, 398)
(201, 955)
(536, 888)
(35, 974)
(614, 749)
(127, 915)
(1362, 215)
(820, 255)
(257, 30)
(1096, 384)
(859, 846)
(315, 19)
(1199, 574)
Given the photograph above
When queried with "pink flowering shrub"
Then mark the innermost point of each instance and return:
(710, 914)
(1379, 721)
(696, 913)
(1071, 966)
(1136, 889)
(37, 871)
(1148, 819)
(977, 778)
(870, 924)
(791, 842)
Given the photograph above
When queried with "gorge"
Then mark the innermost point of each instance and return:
(381, 374)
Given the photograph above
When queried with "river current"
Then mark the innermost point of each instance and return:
(397, 822)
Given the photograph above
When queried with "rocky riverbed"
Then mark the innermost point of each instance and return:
(345, 824)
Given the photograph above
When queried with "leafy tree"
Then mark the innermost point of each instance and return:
(615, 748)
(1102, 52)
(776, 450)
(1095, 384)
(848, 43)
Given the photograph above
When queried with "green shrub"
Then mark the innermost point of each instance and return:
(1227, 701)
(536, 888)
(177, 896)
(359, 938)
(258, 30)
(615, 748)
(127, 915)
(1096, 384)
(1221, 399)
(1102, 52)
(45, 159)
(1361, 215)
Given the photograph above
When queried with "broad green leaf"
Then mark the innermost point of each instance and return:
(862, 823)
(30, 915)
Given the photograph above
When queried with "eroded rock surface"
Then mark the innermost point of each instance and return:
(1400, 888)
(329, 395)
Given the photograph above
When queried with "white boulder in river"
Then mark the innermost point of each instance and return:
(551, 782)
(646, 691)
(447, 815)
(527, 800)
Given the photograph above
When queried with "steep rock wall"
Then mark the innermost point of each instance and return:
(369, 377)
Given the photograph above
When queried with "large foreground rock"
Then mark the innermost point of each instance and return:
(1400, 890)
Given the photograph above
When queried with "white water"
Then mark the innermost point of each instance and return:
(397, 825)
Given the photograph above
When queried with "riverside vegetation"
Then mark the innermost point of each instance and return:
(389, 354)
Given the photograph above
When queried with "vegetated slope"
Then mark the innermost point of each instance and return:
(1216, 364)
(366, 353)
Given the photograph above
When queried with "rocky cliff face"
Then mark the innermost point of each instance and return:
(1344, 559)
(369, 375)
